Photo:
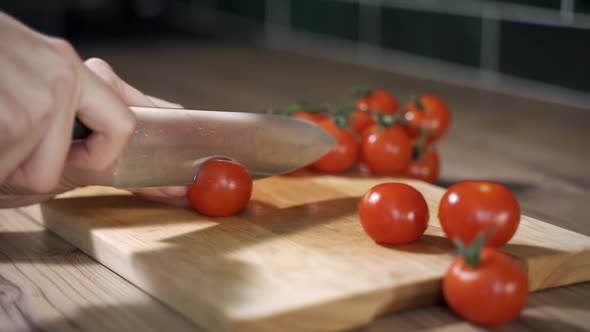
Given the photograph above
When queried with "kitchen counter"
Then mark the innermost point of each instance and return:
(537, 149)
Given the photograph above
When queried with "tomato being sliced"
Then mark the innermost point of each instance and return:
(387, 151)
(393, 213)
(473, 207)
(426, 169)
(343, 155)
(428, 112)
(490, 293)
(222, 188)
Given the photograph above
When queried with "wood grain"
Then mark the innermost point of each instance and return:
(536, 148)
(296, 260)
(49, 285)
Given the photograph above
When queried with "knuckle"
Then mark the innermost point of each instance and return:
(64, 76)
(62, 73)
(120, 133)
(42, 105)
(127, 124)
(63, 47)
(17, 128)
(105, 72)
(98, 64)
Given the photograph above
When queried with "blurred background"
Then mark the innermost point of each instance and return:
(515, 73)
(535, 48)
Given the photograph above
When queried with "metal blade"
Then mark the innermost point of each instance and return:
(170, 145)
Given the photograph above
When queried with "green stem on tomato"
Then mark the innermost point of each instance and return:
(418, 103)
(360, 91)
(419, 148)
(472, 253)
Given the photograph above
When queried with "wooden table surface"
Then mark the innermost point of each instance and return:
(538, 149)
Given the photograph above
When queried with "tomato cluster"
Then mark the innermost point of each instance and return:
(386, 140)
(483, 284)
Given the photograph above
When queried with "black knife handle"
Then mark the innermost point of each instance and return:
(80, 130)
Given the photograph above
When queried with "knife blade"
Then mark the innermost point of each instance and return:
(169, 145)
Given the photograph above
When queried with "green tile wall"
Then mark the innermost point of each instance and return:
(445, 37)
(582, 6)
(555, 4)
(250, 8)
(550, 54)
(329, 17)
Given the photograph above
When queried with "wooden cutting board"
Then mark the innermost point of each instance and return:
(296, 260)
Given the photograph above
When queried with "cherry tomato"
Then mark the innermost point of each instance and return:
(426, 169)
(491, 293)
(343, 155)
(222, 188)
(386, 152)
(313, 117)
(472, 207)
(360, 121)
(393, 213)
(377, 100)
(428, 112)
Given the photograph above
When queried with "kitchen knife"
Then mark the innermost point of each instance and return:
(169, 145)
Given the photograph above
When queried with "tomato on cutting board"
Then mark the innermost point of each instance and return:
(343, 155)
(426, 169)
(471, 207)
(486, 287)
(222, 188)
(428, 112)
(386, 151)
(377, 101)
(393, 213)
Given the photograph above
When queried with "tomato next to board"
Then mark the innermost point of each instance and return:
(488, 288)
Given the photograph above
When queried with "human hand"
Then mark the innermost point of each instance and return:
(44, 86)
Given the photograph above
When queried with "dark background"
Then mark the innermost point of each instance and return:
(545, 41)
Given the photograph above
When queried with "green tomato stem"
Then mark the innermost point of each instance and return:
(472, 253)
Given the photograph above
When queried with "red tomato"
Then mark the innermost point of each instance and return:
(472, 207)
(360, 121)
(426, 169)
(343, 155)
(386, 152)
(313, 117)
(491, 293)
(222, 188)
(430, 113)
(378, 100)
(393, 213)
